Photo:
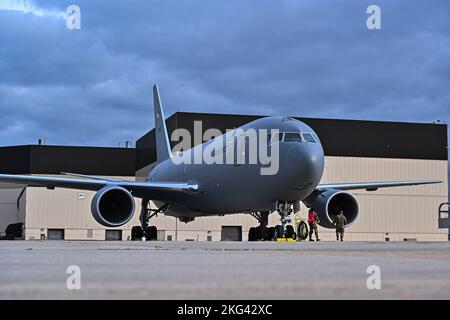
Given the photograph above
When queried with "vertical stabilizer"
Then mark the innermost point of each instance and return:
(163, 150)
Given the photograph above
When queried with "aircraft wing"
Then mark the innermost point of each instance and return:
(137, 188)
(373, 186)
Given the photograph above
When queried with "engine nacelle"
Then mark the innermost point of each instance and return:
(113, 206)
(328, 202)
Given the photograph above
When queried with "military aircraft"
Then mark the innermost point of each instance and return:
(187, 190)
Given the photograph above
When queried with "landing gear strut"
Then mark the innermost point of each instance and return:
(144, 231)
(284, 230)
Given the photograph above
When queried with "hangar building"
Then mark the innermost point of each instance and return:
(59, 213)
(356, 151)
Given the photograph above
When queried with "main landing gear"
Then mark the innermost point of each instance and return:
(265, 233)
(261, 232)
(144, 231)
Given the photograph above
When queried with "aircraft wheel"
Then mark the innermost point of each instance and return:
(151, 233)
(279, 231)
(263, 233)
(136, 233)
(302, 231)
(270, 234)
(252, 234)
(290, 233)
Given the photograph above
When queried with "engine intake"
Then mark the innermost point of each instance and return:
(113, 206)
(328, 202)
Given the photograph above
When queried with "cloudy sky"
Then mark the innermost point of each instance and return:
(295, 57)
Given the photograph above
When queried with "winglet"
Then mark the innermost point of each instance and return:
(163, 150)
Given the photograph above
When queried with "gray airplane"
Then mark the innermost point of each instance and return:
(188, 190)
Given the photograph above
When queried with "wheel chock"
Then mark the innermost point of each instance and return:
(286, 240)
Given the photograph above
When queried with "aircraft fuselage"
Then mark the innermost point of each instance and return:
(237, 188)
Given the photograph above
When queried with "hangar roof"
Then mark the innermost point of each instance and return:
(43, 159)
(346, 138)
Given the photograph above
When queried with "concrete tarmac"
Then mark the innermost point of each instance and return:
(224, 270)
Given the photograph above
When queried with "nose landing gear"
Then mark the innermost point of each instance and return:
(283, 231)
(284, 210)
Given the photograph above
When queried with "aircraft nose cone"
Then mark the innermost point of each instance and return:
(305, 165)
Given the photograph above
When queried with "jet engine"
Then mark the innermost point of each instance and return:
(328, 202)
(112, 206)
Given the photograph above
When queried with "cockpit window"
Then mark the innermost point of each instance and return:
(316, 137)
(277, 137)
(309, 137)
(292, 136)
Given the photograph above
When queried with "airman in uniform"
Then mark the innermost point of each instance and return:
(313, 220)
(340, 222)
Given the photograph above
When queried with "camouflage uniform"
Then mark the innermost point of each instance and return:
(340, 221)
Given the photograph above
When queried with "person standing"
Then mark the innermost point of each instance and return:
(313, 221)
(340, 221)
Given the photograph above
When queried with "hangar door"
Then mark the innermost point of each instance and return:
(231, 233)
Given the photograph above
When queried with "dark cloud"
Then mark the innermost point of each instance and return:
(305, 58)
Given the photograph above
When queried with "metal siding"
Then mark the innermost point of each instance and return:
(85, 160)
(397, 210)
(57, 159)
(381, 139)
(8, 208)
(15, 160)
(406, 212)
(61, 208)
